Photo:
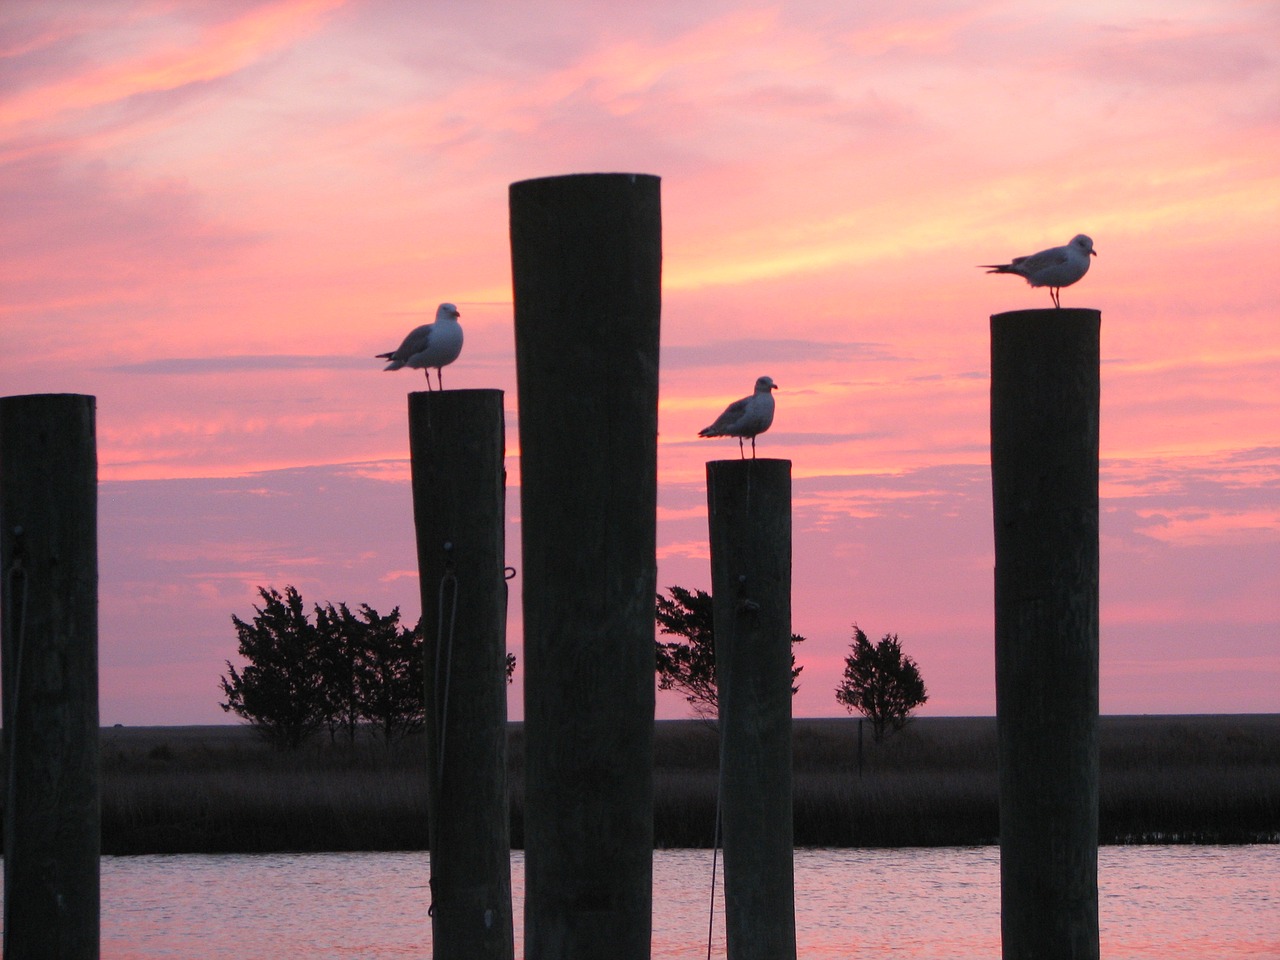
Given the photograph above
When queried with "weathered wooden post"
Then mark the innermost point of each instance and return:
(49, 559)
(749, 513)
(456, 442)
(586, 255)
(1044, 477)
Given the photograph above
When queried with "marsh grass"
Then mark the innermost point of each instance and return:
(1191, 779)
(220, 789)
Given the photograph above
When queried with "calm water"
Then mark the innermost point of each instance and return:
(1163, 903)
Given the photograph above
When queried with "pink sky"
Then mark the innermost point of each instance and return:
(216, 213)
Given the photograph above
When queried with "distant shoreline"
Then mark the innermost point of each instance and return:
(1202, 778)
(193, 728)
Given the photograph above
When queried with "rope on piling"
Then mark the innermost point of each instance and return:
(15, 599)
(715, 850)
(440, 687)
(444, 641)
(16, 613)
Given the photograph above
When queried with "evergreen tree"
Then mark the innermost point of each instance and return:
(880, 683)
(339, 666)
(344, 670)
(389, 672)
(281, 691)
(690, 665)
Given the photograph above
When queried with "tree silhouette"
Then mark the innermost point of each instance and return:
(281, 691)
(389, 672)
(339, 666)
(345, 670)
(880, 683)
(689, 666)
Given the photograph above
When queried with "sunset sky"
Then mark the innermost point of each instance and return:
(216, 213)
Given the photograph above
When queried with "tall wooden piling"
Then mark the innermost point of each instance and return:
(1044, 477)
(749, 513)
(457, 444)
(586, 254)
(49, 647)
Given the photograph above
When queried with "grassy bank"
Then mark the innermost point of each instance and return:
(219, 789)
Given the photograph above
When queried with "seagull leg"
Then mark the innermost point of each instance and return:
(1056, 294)
(753, 448)
(427, 371)
(741, 453)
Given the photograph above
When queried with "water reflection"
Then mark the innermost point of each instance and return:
(1170, 903)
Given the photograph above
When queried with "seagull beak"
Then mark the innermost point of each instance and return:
(1093, 253)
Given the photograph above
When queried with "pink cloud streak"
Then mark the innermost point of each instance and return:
(217, 214)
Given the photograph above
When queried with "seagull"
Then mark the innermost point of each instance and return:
(430, 345)
(1054, 268)
(746, 417)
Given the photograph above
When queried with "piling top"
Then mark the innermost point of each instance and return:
(762, 460)
(469, 391)
(1061, 314)
(48, 397)
(570, 177)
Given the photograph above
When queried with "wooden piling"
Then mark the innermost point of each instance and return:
(49, 647)
(586, 254)
(457, 445)
(749, 513)
(1044, 477)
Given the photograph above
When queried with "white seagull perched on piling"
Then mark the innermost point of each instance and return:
(746, 417)
(1054, 268)
(430, 345)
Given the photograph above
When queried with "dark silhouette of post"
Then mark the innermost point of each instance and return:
(457, 444)
(749, 513)
(1044, 478)
(586, 256)
(49, 646)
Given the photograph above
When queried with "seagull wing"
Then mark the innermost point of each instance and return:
(412, 345)
(1034, 263)
(727, 421)
(1054, 257)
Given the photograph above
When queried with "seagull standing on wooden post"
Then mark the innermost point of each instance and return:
(430, 345)
(1054, 268)
(746, 417)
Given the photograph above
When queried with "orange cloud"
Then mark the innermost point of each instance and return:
(213, 53)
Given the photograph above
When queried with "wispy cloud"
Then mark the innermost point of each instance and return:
(153, 54)
(776, 351)
(216, 213)
(208, 365)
